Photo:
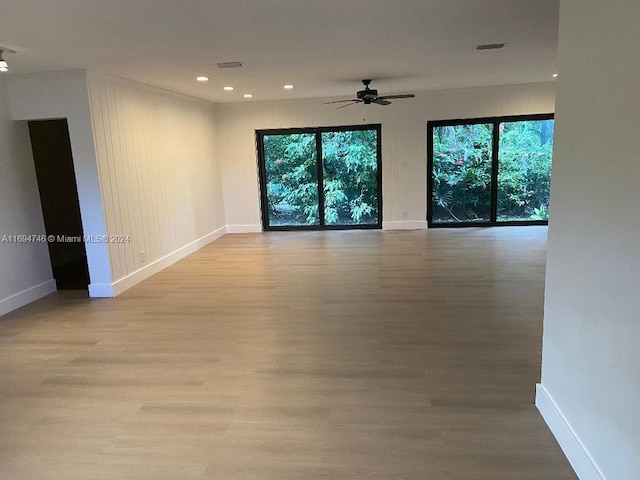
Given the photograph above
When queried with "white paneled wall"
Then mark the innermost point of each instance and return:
(158, 173)
(404, 141)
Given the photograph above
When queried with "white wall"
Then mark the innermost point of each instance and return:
(25, 270)
(158, 173)
(404, 142)
(590, 391)
(64, 95)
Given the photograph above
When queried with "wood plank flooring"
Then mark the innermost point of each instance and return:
(302, 355)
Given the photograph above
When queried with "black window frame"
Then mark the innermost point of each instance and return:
(260, 134)
(496, 121)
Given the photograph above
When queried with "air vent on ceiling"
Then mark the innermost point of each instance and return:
(229, 64)
(491, 46)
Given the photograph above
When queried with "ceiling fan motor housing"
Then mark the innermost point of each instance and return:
(368, 94)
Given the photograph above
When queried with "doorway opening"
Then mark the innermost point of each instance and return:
(56, 177)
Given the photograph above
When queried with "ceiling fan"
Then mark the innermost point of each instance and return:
(369, 95)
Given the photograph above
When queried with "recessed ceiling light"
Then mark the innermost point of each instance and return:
(228, 89)
(491, 46)
(247, 95)
(202, 78)
(555, 75)
(288, 87)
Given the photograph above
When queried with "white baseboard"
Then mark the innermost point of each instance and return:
(571, 445)
(244, 229)
(26, 296)
(125, 283)
(406, 225)
(101, 290)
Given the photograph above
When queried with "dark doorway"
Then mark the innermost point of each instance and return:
(60, 205)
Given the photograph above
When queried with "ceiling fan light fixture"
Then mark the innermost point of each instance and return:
(369, 96)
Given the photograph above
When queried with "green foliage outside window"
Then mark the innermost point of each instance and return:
(292, 188)
(524, 173)
(462, 158)
(462, 173)
(349, 168)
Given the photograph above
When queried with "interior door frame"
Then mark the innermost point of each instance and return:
(260, 134)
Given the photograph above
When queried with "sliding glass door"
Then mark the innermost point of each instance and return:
(290, 168)
(320, 178)
(489, 171)
(350, 177)
(524, 170)
(462, 173)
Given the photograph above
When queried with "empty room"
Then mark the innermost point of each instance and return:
(292, 239)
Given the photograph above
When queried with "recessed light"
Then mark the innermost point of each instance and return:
(555, 75)
(228, 89)
(247, 95)
(202, 78)
(288, 87)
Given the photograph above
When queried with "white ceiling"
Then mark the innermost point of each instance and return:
(323, 47)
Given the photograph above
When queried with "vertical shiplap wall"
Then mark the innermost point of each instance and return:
(158, 173)
(404, 141)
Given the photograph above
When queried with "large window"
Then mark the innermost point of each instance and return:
(318, 178)
(493, 171)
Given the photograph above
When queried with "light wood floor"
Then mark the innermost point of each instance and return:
(334, 355)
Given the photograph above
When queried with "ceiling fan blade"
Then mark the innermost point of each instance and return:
(341, 101)
(406, 95)
(381, 101)
(352, 103)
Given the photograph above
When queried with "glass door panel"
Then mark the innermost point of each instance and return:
(461, 174)
(291, 171)
(524, 170)
(350, 177)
